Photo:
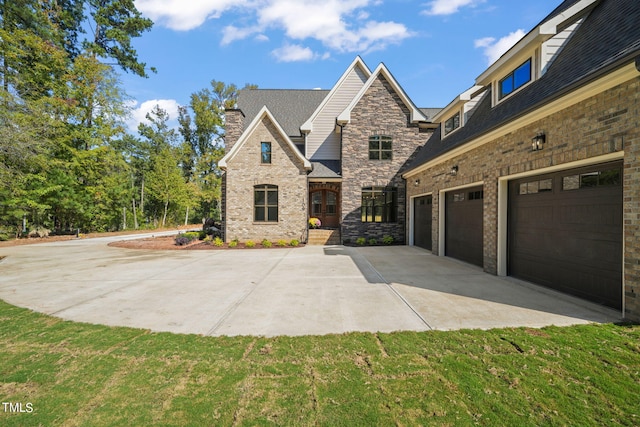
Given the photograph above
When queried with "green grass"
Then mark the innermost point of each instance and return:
(76, 374)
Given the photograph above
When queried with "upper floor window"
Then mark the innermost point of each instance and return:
(265, 203)
(452, 124)
(265, 152)
(380, 147)
(516, 79)
(379, 204)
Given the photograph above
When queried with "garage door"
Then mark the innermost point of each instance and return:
(422, 221)
(463, 225)
(565, 232)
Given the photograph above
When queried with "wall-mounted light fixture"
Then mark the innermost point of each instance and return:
(537, 142)
(454, 171)
(416, 182)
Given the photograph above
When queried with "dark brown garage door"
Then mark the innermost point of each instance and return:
(422, 221)
(565, 232)
(463, 225)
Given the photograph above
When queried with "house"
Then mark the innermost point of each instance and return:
(334, 155)
(534, 172)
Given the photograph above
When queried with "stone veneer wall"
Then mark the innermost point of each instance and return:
(604, 124)
(286, 170)
(379, 111)
(233, 127)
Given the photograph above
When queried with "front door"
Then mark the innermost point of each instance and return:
(324, 206)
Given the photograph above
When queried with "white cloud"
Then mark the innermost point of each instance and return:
(449, 7)
(494, 49)
(184, 15)
(139, 112)
(339, 25)
(293, 53)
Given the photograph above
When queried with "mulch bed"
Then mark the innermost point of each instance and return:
(168, 243)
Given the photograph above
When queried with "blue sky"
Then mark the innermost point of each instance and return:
(435, 49)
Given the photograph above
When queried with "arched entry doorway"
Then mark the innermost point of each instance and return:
(324, 203)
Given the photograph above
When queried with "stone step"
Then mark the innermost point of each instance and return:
(323, 237)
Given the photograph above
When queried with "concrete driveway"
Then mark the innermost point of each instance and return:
(293, 291)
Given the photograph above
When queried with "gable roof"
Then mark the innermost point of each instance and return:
(415, 114)
(595, 50)
(357, 62)
(290, 106)
(264, 112)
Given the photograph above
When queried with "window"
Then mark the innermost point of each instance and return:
(535, 187)
(265, 203)
(265, 152)
(516, 79)
(592, 179)
(452, 124)
(379, 204)
(380, 147)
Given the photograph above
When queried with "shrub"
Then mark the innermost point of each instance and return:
(191, 235)
(387, 240)
(202, 235)
(266, 243)
(249, 244)
(373, 241)
(182, 240)
(233, 243)
(39, 232)
(218, 242)
(346, 241)
(361, 241)
(314, 223)
(294, 243)
(282, 243)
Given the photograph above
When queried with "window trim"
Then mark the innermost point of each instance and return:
(388, 209)
(264, 160)
(380, 138)
(265, 188)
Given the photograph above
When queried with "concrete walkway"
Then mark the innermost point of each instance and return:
(293, 291)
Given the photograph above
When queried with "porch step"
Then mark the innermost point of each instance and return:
(320, 236)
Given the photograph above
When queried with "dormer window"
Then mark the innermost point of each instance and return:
(452, 124)
(516, 79)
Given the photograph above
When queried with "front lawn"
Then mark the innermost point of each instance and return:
(65, 373)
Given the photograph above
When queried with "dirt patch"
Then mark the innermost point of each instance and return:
(168, 243)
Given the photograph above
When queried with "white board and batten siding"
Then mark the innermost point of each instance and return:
(552, 47)
(323, 142)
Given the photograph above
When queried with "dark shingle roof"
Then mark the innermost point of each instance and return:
(430, 112)
(609, 34)
(325, 169)
(291, 108)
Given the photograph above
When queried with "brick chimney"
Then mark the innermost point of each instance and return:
(233, 127)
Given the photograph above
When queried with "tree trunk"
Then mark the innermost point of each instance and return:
(186, 217)
(135, 215)
(142, 196)
(124, 218)
(164, 217)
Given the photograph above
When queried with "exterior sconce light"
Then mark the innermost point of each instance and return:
(537, 142)
(454, 171)
(416, 182)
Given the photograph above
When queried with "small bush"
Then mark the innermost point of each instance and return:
(361, 241)
(233, 243)
(218, 242)
(266, 243)
(249, 244)
(282, 243)
(346, 241)
(182, 240)
(191, 235)
(387, 240)
(373, 241)
(294, 243)
(202, 235)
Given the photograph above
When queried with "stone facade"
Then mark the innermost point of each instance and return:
(245, 171)
(602, 125)
(380, 111)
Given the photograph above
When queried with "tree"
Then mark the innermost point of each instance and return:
(165, 181)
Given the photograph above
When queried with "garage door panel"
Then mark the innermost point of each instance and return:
(570, 240)
(464, 225)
